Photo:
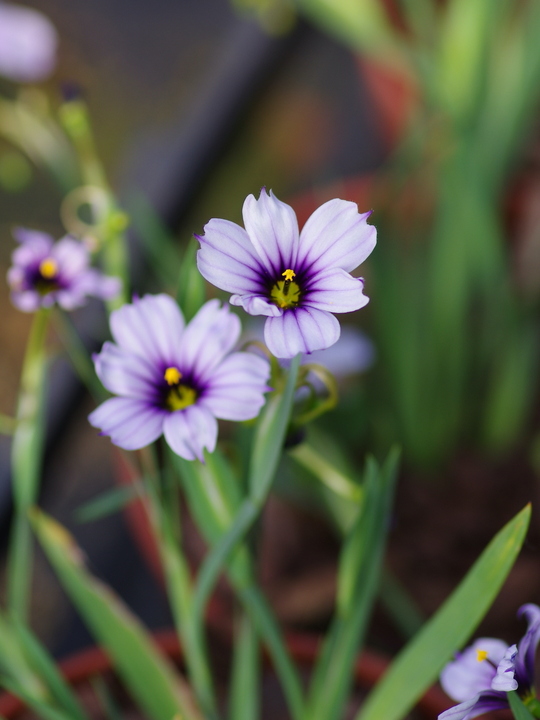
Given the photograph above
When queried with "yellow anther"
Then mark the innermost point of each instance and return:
(481, 655)
(289, 275)
(172, 375)
(48, 268)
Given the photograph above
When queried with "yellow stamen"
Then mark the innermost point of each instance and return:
(48, 268)
(288, 275)
(172, 375)
(481, 655)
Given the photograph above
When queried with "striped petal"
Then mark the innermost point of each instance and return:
(211, 334)
(131, 424)
(236, 389)
(228, 259)
(124, 373)
(336, 291)
(273, 229)
(336, 236)
(191, 431)
(150, 328)
(302, 330)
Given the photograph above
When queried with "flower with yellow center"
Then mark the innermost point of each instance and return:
(48, 268)
(298, 280)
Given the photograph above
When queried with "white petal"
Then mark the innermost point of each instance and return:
(228, 259)
(151, 328)
(273, 229)
(336, 235)
(131, 424)
(336, 291)
(189, 432)
(237, 387)
(302, 330)
(256, 305)
(210, 335)
(124, 373)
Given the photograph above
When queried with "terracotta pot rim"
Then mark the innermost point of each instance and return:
(304, 647)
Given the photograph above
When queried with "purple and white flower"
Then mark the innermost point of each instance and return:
(175, 379)
(296, 279)
(481, 676)
(28, 42)
(44, 273)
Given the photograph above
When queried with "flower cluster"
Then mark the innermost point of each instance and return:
(175, 379)
(481, 675)
(44, 273)
(295, 279)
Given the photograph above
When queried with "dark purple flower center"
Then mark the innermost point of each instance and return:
(45, 277)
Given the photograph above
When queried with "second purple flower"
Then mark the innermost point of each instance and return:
(297, 279)
(175, 379)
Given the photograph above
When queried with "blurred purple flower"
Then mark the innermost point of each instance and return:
(483, 673)
(296, 279)
(44, 273)
(28, 42)
(174, 379)
(352, 354)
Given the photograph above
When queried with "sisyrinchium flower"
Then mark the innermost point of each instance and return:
(175, 379)
(483, 673)
(297, 279)
(28, 42)
(45, 273)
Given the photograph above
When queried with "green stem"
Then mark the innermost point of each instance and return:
(262, 616)
(533, 706)
(78, 355)
(244, 696)
(306, 455)
(180, 595)
(26, 457)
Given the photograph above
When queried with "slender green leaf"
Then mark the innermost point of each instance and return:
(159, 243)
(105, 504)
(357, 588)
(46, 669)
(244, 694)
(270, 436)
(26, 456)
(150, 678)
(519, 709)
(191, 290)
(41, 707)
(399, 605)
(420, 662)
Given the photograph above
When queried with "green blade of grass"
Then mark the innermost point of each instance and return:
(152, 681)
(420, 662)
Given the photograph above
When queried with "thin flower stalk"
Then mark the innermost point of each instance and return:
(26, 458)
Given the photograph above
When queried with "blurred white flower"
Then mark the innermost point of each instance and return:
(28, 42)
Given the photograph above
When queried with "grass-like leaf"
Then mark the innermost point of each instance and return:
(420, 662)
(152, 681)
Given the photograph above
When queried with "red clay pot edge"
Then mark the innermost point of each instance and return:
(369, 668)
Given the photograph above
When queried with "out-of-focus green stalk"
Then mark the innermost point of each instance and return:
(41, 140)
(180, 593)
(26, 456)
(307, 456)
(78, 354)
(112, 225)
(244, 687)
